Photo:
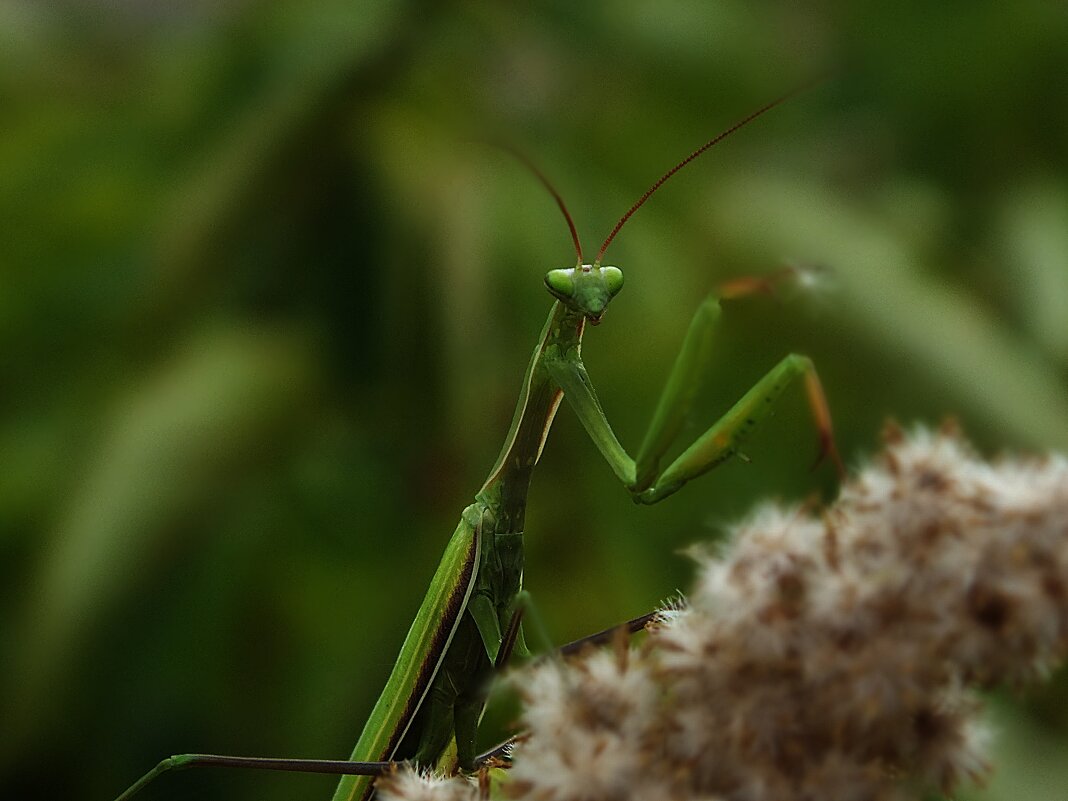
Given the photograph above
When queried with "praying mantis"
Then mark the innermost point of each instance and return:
(469, 623)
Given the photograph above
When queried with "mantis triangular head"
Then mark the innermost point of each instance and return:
(588, 288)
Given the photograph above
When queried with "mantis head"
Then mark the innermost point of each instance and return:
(585, 288)
(588, 288)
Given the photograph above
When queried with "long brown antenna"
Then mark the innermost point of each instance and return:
(530, 165)
(687, 160)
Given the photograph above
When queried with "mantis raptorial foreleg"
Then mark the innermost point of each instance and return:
(642, 476)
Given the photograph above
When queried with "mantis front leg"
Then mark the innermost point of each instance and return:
(643, 477)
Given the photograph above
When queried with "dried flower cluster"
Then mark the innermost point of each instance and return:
(822, 658)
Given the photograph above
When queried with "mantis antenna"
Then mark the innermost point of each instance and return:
(530, 165)
(663, 178)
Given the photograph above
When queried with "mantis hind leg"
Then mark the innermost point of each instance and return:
(466, 715)
(181, 761)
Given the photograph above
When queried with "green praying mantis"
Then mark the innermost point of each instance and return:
(469, 623)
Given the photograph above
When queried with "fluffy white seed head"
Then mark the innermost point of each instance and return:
(826, 657)
(830, 657)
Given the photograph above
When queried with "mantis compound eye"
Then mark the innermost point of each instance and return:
(561, 283)
(613, 279)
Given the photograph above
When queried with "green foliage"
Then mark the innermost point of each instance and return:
(267, 298)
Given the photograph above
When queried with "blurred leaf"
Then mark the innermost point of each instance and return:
(167, 449)
(1035, 227)
(1027, 757)
(936, 326)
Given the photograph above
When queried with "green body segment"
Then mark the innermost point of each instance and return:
(453, 705)
(435, 693)
(435, 625)
(431, 705)
(418, 721)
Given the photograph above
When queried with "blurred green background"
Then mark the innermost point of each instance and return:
(266, 297)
